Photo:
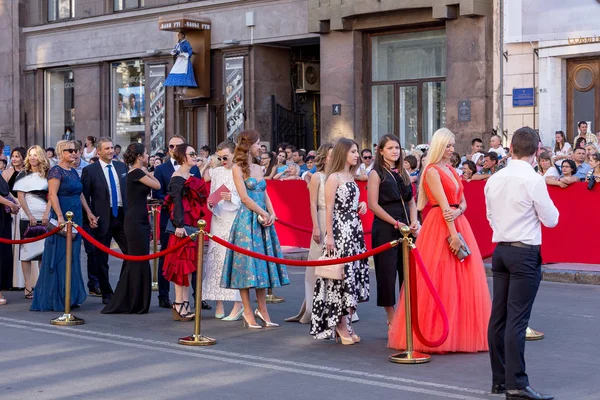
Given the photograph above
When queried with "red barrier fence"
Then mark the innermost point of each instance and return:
(576, 204)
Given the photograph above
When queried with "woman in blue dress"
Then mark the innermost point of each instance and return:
(64, 194)
(182, 73)
(253, 230)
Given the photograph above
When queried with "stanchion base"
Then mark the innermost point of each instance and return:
(410, 357)
(155, 286)
(197, 340)
(531, 335)
(67, 320)
(272, 299)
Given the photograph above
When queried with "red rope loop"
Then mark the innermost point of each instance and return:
(416, 259)
(302, 263)
(31, 240)
(122, 256)
(302, 229)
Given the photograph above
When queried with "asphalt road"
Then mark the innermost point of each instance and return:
(137, 356)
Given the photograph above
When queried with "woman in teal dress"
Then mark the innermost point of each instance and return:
(64, 194)
(253, 230)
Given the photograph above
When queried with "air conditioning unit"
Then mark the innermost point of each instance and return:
(308, 77)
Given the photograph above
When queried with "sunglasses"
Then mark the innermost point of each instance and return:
(367, 157)
(71, 151)
(224, 158)
(192, 154)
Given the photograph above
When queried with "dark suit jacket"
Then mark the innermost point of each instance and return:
(95, 191)
(163, 173)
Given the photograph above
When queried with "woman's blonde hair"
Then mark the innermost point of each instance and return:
(44, 163)
(339, 156)
(439, 141)
(321, 158)
(61, 145)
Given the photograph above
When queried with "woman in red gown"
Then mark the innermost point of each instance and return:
(462, 286)
(186, 202)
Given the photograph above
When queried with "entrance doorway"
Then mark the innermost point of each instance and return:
(583, 95)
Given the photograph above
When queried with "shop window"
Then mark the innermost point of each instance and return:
(60, 9)
(128, 102)
(120, 5)
(408, 88)
(59, 105)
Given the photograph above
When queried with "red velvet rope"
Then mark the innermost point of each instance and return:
(301, 263)
(300, 228)
(122, 256)
(416, 259)
(31, 240)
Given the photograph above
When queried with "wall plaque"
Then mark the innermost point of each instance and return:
(464, 111)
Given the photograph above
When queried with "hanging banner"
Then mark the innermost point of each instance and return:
(234, 95)
(156, 77)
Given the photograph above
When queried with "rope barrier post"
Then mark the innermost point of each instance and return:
(197, 339)
(68, 319)
(409, 356)
(154, 207)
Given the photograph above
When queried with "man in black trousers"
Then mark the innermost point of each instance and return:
(163, 173)
(104, 188)
(517, 202)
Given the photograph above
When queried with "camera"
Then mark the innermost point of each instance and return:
(591, 180)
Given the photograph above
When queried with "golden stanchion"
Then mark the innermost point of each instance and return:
(155, 248)
(409, 356)
(67, 318)
(197, 339)
(531, 335)
(272, 299)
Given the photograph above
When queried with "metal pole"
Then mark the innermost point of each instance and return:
(67, 318)
(409, 356)
(155, 249)
(197, 339)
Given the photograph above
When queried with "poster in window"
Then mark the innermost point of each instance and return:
(157, 107)
(234, 96)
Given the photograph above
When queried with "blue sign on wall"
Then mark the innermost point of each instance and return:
(6, 151)
(523, 97)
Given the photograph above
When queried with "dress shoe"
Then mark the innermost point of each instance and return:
(526, 393)
(165, 303)
(499, 389)
(106, 300)
(95, 291)
(206, 306)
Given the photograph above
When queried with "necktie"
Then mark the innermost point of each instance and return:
(113, 192)
(175, 163)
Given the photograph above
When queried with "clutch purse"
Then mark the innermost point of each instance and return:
(34, 231)
(52, 224)
(189, 230)
(335, 271)
(464, 250)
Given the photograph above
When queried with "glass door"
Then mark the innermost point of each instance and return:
(408, 115)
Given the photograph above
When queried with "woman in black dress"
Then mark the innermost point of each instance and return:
(17, 162)
(7, 207)
(134, 289)
(390, 197)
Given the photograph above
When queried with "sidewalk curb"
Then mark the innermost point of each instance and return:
(562, 275)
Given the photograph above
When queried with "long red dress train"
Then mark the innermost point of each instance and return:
(462, 286)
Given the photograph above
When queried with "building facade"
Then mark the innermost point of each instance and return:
(300, 71)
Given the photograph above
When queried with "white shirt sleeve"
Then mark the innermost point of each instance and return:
(552, 171)
(544, 207)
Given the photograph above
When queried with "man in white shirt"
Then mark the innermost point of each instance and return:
(362, 173)
(517, 201)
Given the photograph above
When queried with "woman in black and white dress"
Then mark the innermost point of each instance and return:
(336, 300)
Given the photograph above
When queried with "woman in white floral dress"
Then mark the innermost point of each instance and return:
(223, 215)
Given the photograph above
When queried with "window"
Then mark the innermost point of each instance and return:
(408, 85)
(59, 105)
(60, 9)
(128, 102)
(120, 5)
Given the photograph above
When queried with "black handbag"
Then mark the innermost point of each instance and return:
(189, 230)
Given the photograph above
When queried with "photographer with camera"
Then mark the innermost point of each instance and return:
(593, 175)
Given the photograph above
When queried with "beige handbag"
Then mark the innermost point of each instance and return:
(335, 271)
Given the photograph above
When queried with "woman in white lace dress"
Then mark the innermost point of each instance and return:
(223, 215)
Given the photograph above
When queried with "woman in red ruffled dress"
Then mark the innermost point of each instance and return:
(186, 202)
(462, 286)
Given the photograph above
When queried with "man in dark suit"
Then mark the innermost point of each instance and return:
(104, 190)
(163, 173)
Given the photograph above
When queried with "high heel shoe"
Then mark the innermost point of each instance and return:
(249, 325)
(29, 294)
(219, 315)
(268, 324)
(346, 341)
(236, 317)
(181, 314)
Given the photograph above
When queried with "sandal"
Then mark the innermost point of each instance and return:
(29, 293)
(179, 313)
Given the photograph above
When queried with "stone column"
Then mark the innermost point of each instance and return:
(9, 73)
(552, 98)
(469, 77)
(337, 85)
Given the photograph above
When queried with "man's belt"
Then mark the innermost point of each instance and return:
(521, 245)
